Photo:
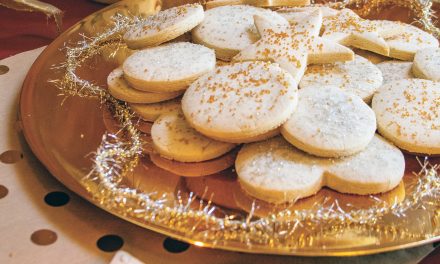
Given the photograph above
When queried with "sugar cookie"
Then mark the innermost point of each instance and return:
(229, 29)
(150, 112)
(216, 188)
(168, 68)
(427, 64)
(293, 45)
(329, 122)
(406, 42)
(347, 28)
(408, 114)
(195, 169)
(240, 101)
(360, 77)
(174, 139)
(121, 90)
(395, 70)
(164, 26)
(276, 172)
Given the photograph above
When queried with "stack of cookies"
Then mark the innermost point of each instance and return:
(287, 101)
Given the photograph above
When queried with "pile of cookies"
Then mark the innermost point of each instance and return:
(290, 98)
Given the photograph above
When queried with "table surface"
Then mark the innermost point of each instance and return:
(42, 221)
(22, 31)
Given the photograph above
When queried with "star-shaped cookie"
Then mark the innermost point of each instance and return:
(294, 45)
(348, 29)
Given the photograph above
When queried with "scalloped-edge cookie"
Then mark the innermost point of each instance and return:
(164, 26)
(241, 101)
(329, 122)
(168, 68)
(408, 114)
(174, 139)
(276, 172)
(360, 77)
(121, 90)
(427, 64)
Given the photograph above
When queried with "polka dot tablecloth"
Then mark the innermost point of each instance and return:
(43, 222)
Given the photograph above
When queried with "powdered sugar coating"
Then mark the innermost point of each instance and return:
(408, 40)
(359, 77)
(347, 28)
(164, 26)
(294, 45)
(167, 68)
(378, 168)
(408, 114)
(121, 90)
(241, 100)
(229, 29)
(174, 139)
(329, 122)
(395, 70)
(277, 172)
(427, 64)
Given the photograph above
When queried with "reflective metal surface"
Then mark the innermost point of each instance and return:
(64, 132)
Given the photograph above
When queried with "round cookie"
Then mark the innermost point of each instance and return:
(229, 29)
(164, 26)
(395, 70)
(408, 114)
(168, 68)
(240, 102)
(121, 90)
(408, 40)
(174, 139)
(359, 77)
(195, 169)
(427, 64)
(329, 122)
(150, 112)
(276, 172)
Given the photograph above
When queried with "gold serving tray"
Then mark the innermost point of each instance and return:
(63, 134)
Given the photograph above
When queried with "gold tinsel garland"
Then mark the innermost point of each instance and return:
(116, 157)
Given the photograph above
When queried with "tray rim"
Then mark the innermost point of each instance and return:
(57, 172)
